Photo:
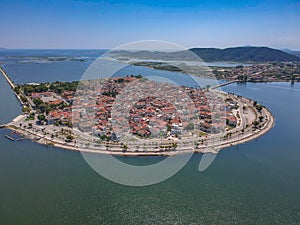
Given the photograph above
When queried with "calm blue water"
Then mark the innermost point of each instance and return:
(25, 66)
(255, 183)
(227, 64)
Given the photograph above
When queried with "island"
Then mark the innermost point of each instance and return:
(50, 117)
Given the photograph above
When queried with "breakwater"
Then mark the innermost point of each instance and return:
(11, 84)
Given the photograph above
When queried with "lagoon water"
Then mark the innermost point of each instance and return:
(254, 183)
(37, 66)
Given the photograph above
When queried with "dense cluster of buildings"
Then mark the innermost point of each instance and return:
(90, 110)
(60, 105)
(48, 97)
(265, 72)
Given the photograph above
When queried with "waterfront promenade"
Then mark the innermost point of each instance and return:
(46, 134)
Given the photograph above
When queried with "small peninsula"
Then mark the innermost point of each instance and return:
(50, 117)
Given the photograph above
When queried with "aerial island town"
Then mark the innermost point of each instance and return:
(59, 114)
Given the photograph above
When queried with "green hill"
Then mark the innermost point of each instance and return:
(235, 54)
(245, 54)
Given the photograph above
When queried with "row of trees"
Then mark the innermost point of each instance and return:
(59, 87)
(28, 89)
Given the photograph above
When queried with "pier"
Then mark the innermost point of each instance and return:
(9, 137)
(224, 84)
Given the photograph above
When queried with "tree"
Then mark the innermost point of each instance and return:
(255, 124)
(17, 89)
(125, 147)
(260, 118)
(258, 108)
(41, 117)
(37, 101)
(23, 99)
(174, 146)
(69, 138)
(25, 109)
(139, 76)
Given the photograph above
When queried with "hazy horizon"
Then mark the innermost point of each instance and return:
(282, 49)
(107, 24)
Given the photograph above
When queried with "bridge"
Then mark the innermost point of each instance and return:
(224, 84)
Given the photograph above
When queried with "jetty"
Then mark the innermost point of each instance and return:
(11, 84)
(224, 84)
(20, 137)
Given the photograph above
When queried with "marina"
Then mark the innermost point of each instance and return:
(15, 136)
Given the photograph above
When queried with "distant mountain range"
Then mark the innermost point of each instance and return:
(245, 54)
(234, 54)
(296, 53)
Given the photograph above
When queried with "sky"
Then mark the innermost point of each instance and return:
(107, 24)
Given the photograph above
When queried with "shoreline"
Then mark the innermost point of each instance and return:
(41, 139)
(214, 149)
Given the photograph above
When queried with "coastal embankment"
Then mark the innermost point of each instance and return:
(11, 84)
(213, 148)
(9, 81)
